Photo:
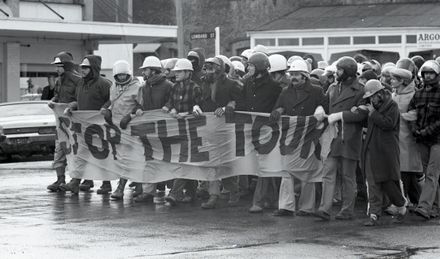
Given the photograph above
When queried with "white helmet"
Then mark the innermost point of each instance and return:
(277, 63)
(246, 53)
(151, 61)
(238, 66)
(430, 65)
(261, 48)
(183, 64)
(121, 67)
(293, 58)
(226, 60)
(300, 66)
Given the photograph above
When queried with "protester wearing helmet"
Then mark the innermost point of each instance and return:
(410, 160)
(259, 94)
(278, 67)
(426, 128)
(123, 103)
(197, 58)
(239, 70)
(167, 67)
(345, 149)
(219, 94)
(65, 88)
(300, 98)
(92, 94)
(381, 162)
(185, 98)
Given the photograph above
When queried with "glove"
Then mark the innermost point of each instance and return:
(370, 109)
(107, 115)
(173, 112)
(125, 120)
(363, 107)
(334, 117)
(219, 111)
(165, 109)
(68, 112)
(275, 115)
(229, 110)
(139, 112)
(320, 114)
(197, 111)
(51, 104)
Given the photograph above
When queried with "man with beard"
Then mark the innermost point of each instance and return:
(278, 67)
(65, 88)
(259, 94)
(426, 130)
(197, 58)
(219, 94)
(153, 95)
(345, 148)
(300, 98)
(92, 94)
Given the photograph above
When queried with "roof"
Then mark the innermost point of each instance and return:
(357, 16)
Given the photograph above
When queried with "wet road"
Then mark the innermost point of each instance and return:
(38, 224)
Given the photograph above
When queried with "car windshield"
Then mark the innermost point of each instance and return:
(24, 109)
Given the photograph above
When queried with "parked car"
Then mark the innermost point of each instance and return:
(29, 127)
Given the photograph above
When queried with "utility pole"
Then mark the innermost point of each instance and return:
(180, 38)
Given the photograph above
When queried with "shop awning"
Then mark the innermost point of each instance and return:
(357, 16)
(102, 32)
(146, 47)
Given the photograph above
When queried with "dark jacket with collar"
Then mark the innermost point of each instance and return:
(382, 142)
(301, 101)
(342, 97)
(155, 92)
(66, 85)
(226, 90)
(259, 94)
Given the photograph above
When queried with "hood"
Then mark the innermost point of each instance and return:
(95, 66)
(198, 53)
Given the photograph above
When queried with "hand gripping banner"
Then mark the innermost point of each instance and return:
(156, 147)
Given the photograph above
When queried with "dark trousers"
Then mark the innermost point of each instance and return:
(411, 186)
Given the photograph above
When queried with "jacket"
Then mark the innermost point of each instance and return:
(198, 72)
(410, 159)
(67, 83)
(259, 94)
(342, 97)
(124, 98)
(226, 90)
(382, 142)
(94, 91)
(154, 93)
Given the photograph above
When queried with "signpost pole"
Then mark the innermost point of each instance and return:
(217, 41)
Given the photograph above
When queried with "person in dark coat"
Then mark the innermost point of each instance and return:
(92, 94)
(300, 98)
(219, 92)
(345, 148)
(49, 90)
(153, 95)
(381, 152)
(260, 94)
(64, 92)
(197, 58)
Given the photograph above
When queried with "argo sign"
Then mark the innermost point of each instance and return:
(428, 40)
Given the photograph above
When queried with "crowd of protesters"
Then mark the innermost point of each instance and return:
(386, 118)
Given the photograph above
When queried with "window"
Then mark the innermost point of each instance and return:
(265, 42)
(339, 40)
(288, 42)
(411, 38)
(313, 41)
(364, 40)
(388, 39)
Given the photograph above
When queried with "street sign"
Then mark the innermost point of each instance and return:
(428, 40)
(202, 35)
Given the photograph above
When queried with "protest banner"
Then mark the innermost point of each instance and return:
(157, 147)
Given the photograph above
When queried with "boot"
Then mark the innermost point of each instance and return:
(86, 185)
(137, 190)
(105, 188)
(211, 203)
(144, 197)
(72, 186)
(234, 198)
(54, 187)
(119, 193)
